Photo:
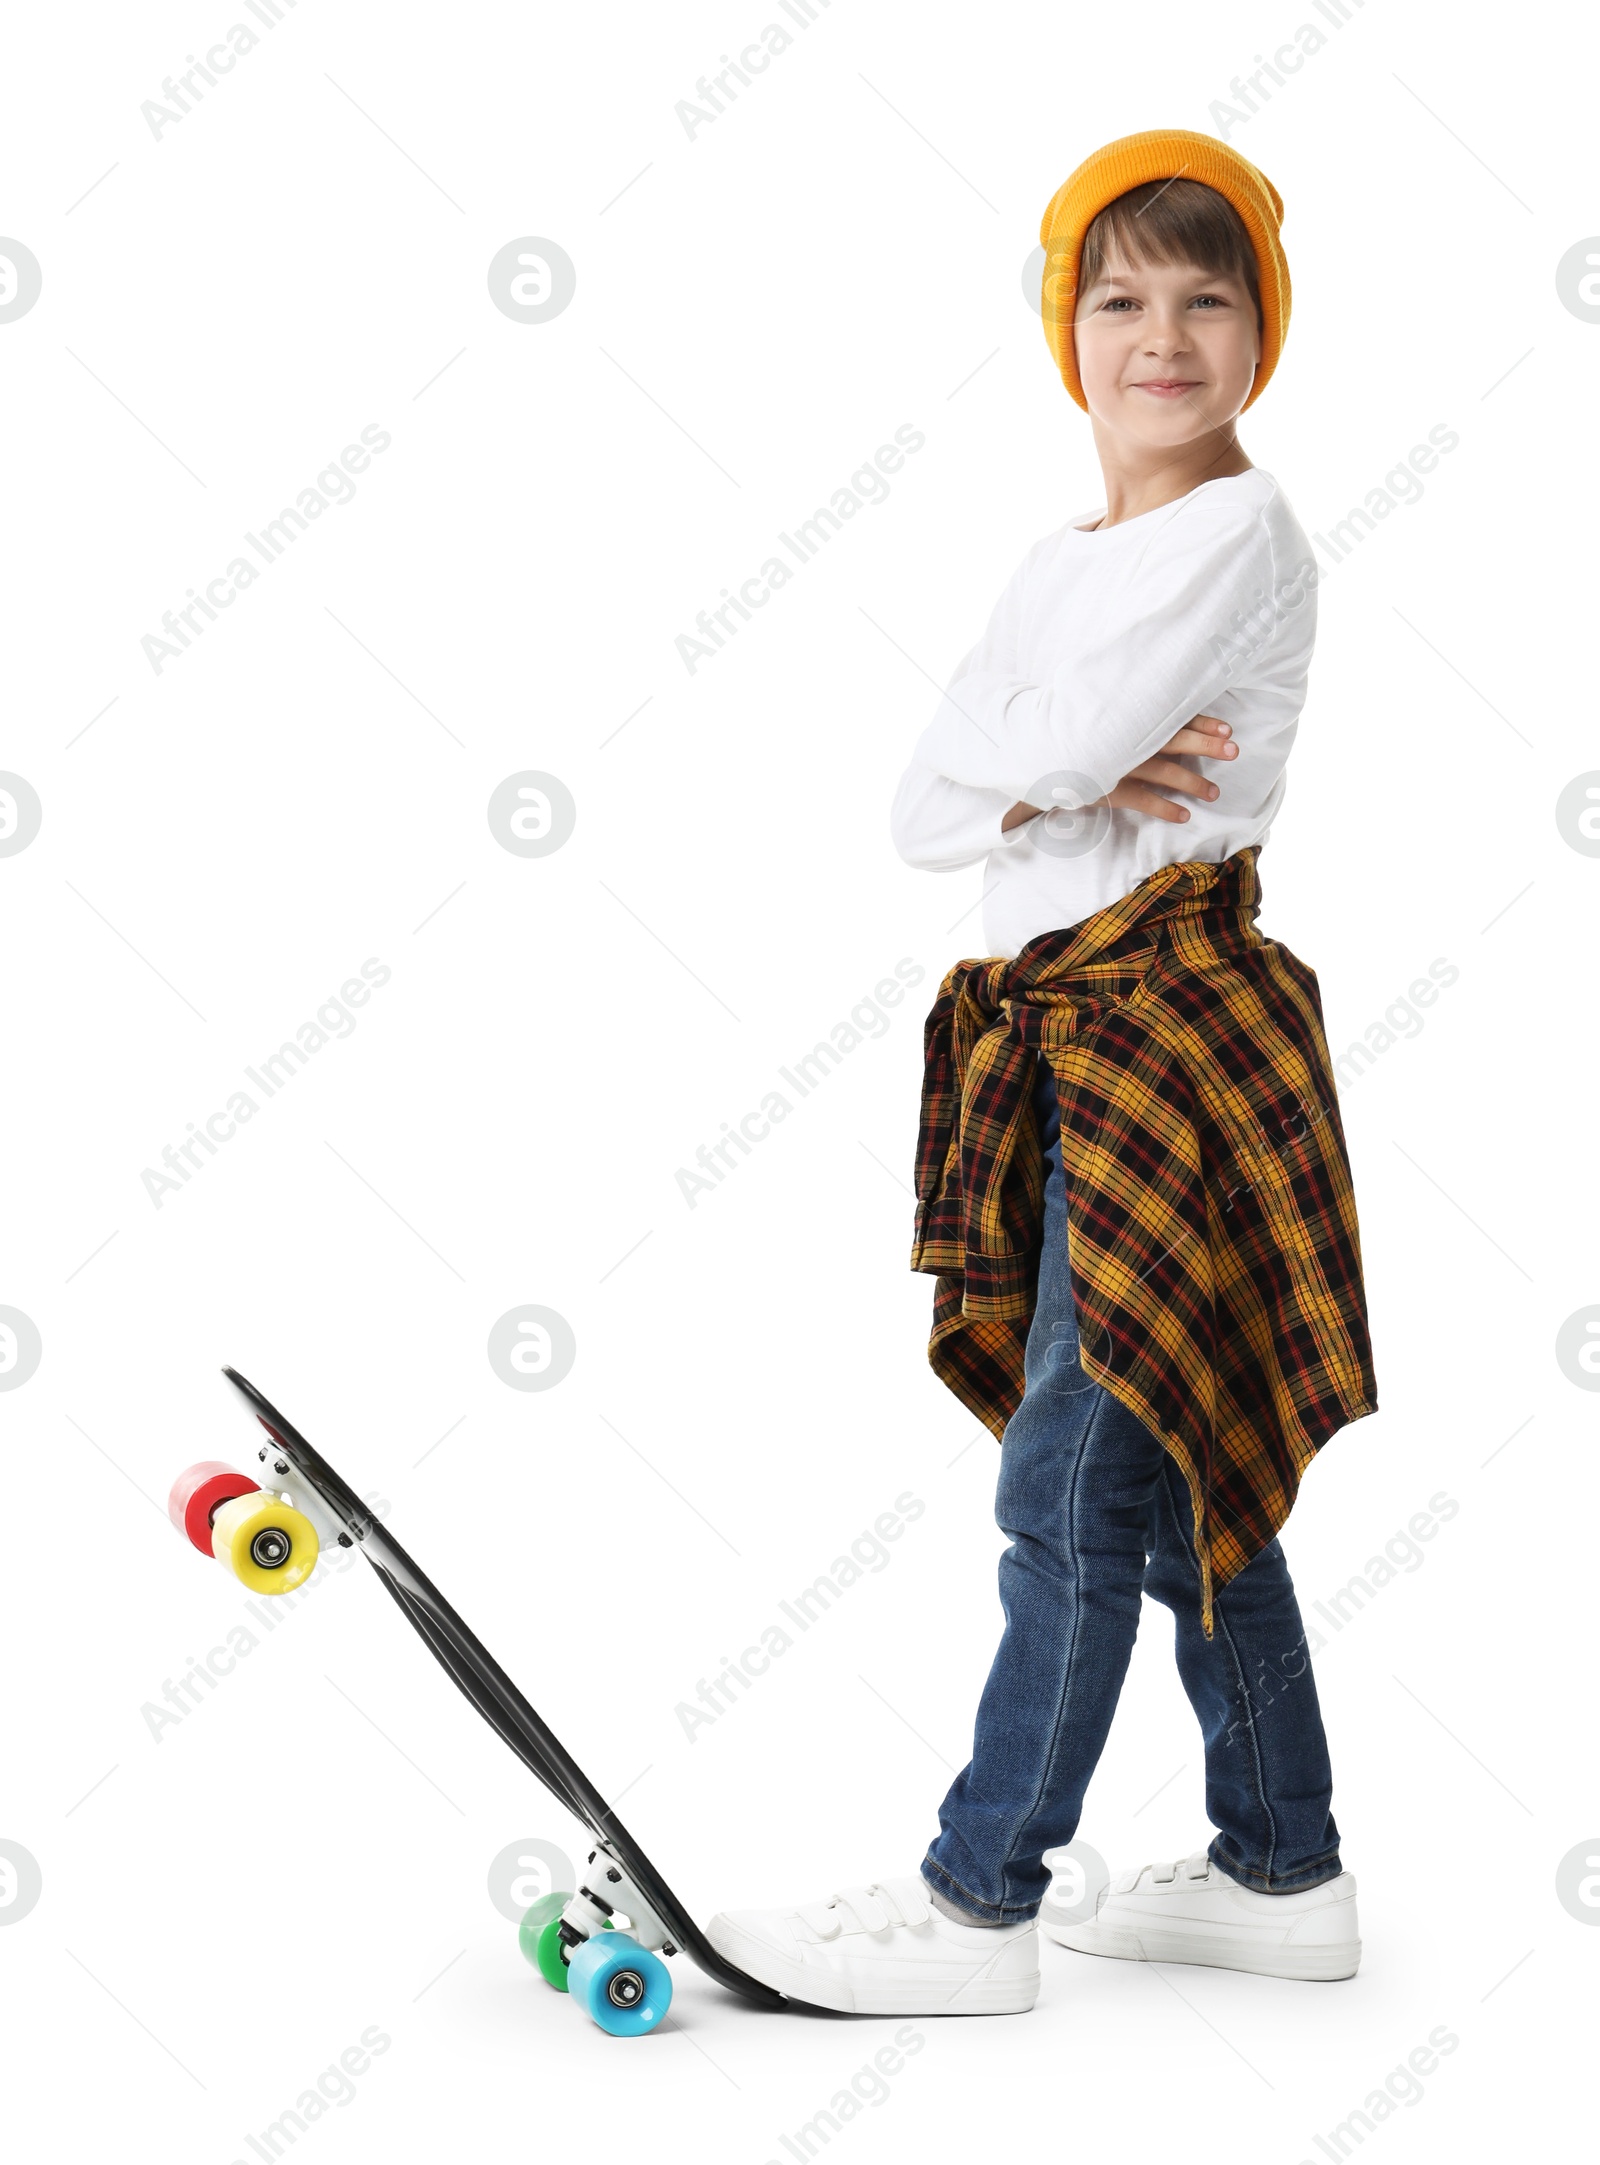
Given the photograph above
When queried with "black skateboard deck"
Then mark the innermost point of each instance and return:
(473, 1669)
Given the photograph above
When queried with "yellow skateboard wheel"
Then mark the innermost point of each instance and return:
(266, 1543)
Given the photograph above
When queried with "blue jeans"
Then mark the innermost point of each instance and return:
(1098, 1513)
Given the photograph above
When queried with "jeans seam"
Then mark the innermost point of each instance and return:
(1255, 1742)
(1072, 1644)
(1174, 1531)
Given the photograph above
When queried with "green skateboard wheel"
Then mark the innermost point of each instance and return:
(539, 1936)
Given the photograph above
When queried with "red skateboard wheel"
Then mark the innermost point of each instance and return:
(198, 1491)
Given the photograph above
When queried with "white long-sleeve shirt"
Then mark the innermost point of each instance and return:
(1102, 646)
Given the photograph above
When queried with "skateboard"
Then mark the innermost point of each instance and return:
(268, 1530)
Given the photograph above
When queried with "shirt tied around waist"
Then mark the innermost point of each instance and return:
(1214, 1245)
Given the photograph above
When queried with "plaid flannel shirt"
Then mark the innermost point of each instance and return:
(1215, 1254)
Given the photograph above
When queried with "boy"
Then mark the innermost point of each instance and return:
(1132, 1179)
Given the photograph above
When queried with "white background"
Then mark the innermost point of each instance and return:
(227, 1908)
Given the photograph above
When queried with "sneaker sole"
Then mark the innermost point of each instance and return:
(924, 1996)
(1310, 1965)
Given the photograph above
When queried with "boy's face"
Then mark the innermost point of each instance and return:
(1145, 327)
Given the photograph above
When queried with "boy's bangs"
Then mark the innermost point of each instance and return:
(1166, 222)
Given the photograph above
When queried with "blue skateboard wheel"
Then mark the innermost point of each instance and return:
(619, 1984)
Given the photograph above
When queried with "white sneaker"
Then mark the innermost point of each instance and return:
(884, 1950)
(1190, 1912)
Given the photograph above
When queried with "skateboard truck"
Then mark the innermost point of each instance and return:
(555, 1939)
(283, 1479)
(591, 1910)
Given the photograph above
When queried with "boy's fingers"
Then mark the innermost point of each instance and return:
(1207, 725)
(1167, 774)
(1139, 797)
(1203, 742)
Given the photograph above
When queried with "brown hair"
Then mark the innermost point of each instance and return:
(1172, 221)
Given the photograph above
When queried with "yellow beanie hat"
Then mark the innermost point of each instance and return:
(1160, 154)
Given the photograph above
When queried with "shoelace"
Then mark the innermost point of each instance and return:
(872, 1908)
(1197, 1866)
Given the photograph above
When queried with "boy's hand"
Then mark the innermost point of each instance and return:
(1206, 737)
(1140, 790)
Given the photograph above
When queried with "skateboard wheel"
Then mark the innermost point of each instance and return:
(539, 1937)
(619, 1984)
(266, 1543)
(196, 1494)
